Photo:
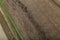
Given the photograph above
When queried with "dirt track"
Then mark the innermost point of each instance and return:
(37, 19)
(2, 37)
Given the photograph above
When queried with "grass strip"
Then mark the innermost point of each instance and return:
(7, 22)
(11, 19)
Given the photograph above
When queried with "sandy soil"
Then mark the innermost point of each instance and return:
(2, 34)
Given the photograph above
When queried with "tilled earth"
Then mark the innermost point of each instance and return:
(37, 19)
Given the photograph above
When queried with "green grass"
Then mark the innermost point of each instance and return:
(11, 19)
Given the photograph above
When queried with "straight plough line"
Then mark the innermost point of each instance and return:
(10, 18)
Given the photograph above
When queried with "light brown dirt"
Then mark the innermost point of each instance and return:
(2, 34)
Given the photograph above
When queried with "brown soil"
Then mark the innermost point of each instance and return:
(37, 19)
